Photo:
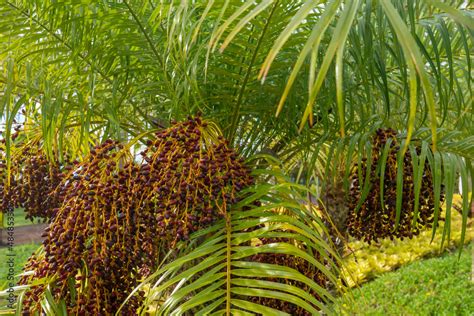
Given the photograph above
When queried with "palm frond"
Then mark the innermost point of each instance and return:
(232, 267)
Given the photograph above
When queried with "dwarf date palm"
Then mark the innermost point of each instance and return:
(305, 83)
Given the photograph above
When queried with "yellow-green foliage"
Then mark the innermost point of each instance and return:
(365, 261)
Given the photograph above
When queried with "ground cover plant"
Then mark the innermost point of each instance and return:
(293, 92)
(364, 262)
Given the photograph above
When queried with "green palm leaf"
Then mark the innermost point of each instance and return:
(220, 275)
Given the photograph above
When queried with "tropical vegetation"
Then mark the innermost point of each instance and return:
(199, 134)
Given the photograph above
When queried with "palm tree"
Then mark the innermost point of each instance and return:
(332, 72)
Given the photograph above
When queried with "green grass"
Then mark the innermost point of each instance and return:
(21, 254)
(20, 219)
(436, 286)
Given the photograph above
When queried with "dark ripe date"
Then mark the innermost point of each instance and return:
(372, 221)
(119, 214)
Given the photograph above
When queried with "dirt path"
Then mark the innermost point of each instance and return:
(24, 234)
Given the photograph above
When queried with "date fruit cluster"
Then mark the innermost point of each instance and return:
(119, 215)
(372, 221)
(32, 180)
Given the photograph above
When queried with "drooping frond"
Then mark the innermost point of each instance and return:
(269, 257)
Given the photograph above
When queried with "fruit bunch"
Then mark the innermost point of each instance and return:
(91, 242)
(32, 181)
(372, 221)
(192, 180)
(293, 262)
(119, 215)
